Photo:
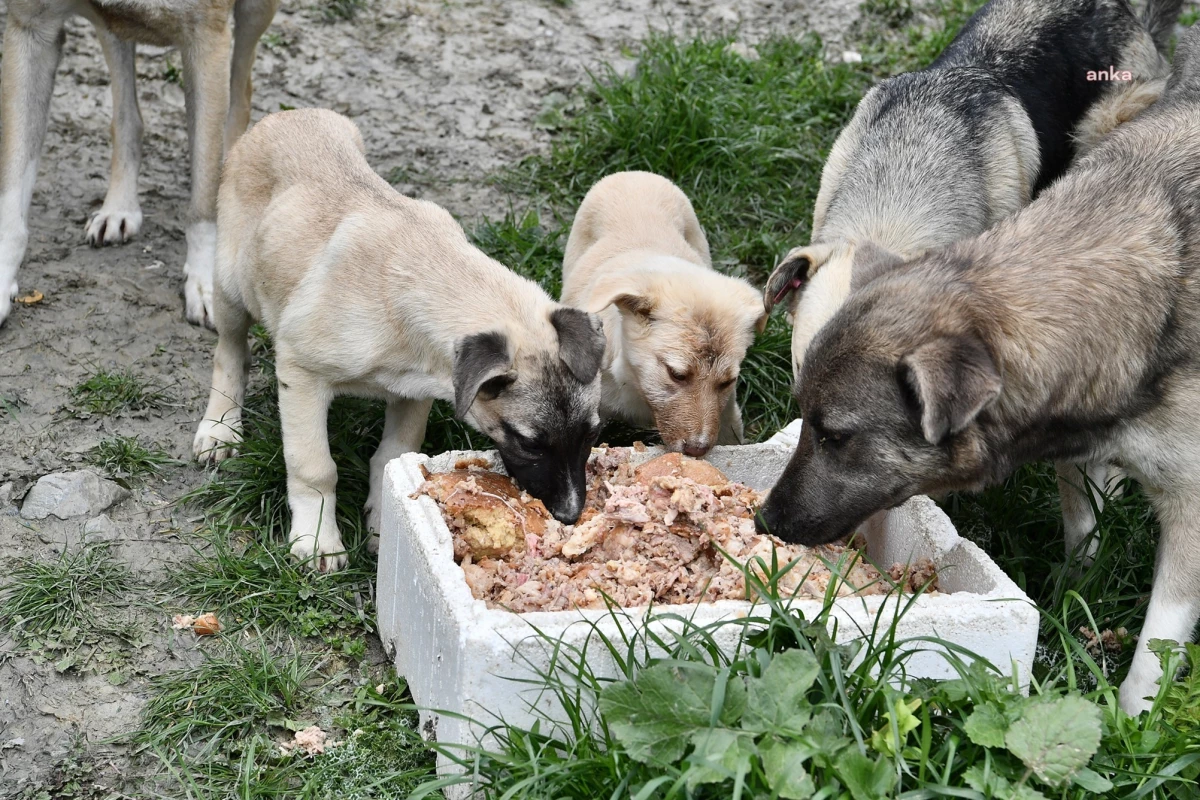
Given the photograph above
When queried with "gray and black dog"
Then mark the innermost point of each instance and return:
(937, 155)
(1070, 331)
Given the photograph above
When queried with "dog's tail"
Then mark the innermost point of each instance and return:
(1159, 17)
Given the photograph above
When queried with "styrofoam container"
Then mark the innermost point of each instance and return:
(460, 656)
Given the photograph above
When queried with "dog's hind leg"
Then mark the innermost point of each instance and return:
(403, 432)
(33, 41)
(206, 86)
(311, 474)
(120, 218)
(221, 427)
(251, 18)
(1175, 597)
(1081, 494)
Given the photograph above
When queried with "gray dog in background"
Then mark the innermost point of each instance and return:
(937, 155)
(1070, 331)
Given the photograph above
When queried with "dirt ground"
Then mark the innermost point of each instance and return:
(444, 92)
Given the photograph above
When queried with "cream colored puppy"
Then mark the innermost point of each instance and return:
(676, 329)
(371, 293)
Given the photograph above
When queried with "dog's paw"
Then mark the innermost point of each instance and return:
(215, 441)
(323, 551)
(198, 300)
(115, 226)
(6, 301)
(373, 544)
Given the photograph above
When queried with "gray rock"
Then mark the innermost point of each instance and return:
(70, 494)
(100, 528)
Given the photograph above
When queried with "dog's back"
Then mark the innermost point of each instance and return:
(1043, 50)
(625, 212)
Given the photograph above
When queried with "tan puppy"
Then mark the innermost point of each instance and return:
(677, 329)
(371, 293)
(217, 89)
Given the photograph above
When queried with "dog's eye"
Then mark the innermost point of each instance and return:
(723, 385)
(835, 438)
(676, 375)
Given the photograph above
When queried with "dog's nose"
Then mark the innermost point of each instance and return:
(567, 512)
(695, 449)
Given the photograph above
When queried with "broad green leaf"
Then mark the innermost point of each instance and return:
(783, 763)
(998, 786)
(776, 702)
(1091, 781)
(866, 779)
(987, 725)
(655, 714)
(720, 754)
(1056, 739)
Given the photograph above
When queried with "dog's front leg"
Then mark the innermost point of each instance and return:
(403, 432)
(120, 218)
(251, 18)
(206, 83)
(1174, 598)
(33, 40)
(311, 474)
(220, 429)
(731, 423)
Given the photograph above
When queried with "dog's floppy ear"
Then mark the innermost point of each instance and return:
(951, 379)
(871, 261)
(479, 358)
(580, 342)
(794, 272)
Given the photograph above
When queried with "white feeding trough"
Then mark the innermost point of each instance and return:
(462, 657)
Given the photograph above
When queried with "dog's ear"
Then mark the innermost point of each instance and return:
(580, 341)
(794, 273)
(871, 261)
(479, 359)
(950, 380)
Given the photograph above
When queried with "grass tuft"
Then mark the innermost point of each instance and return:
(109, 393)
(129, 457)
(236, 691)
(43, 598)
(332, 11)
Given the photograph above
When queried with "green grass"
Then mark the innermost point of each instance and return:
(237, 690)
(332, 11)
(109, 393)
(129, 457)
(74, 611)
(791, 714)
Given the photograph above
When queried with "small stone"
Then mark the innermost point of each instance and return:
(71, 494)
(7, 490)
(851, 57)
(101, 528)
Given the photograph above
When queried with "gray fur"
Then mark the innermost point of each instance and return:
(1070, 332)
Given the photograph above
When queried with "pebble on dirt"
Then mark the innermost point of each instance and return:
(71, 494)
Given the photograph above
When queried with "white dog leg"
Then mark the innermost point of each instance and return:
(221, 427)
(1175, 597)
(403, 432)
(206, 85)
(120, 218)
(33, 41)
(311, 474)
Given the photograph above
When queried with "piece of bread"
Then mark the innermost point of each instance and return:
(680, 466)
(490, 512)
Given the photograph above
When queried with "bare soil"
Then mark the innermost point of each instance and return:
(444, 92)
